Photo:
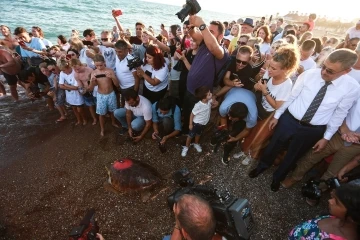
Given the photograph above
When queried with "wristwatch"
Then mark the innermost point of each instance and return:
(202, 26)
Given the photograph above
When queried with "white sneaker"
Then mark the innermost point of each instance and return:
(184, 151)
(239, 155)
(197, 147)
(246, 161)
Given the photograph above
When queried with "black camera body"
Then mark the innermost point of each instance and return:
(87, 228)
(220, 136)
(183, 178)
(134, 63)
(311, 189)
(233, 215)
(191, 7)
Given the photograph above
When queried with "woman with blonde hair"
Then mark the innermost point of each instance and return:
(86, 55)
(271, 94)
(235, 34)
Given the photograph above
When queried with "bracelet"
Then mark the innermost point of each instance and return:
(266, 94)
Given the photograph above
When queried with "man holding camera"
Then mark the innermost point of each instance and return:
(209, 60)
(194, 219)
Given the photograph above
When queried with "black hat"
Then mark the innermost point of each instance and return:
(248, 21)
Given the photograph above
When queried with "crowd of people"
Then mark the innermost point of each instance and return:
(285, 97)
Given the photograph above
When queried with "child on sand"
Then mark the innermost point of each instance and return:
(199, 117)
(104, 78)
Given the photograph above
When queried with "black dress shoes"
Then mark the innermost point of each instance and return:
(255, 172)
(275, 185)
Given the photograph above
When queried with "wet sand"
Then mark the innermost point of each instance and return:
(51, 173)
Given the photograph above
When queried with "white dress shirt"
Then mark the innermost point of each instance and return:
(353, 118)
(339, 98)
(143, 109)
(123, 73)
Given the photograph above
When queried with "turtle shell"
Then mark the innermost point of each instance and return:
(127, 174)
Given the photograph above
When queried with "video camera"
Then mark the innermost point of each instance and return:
(134, 63)
(87, 228)
(191, 7)
(233, 215)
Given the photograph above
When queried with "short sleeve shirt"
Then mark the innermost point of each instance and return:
(37, 44)
(143, 109)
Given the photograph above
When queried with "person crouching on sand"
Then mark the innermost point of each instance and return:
(104, 78)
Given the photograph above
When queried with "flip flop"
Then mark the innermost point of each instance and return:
(60, 120)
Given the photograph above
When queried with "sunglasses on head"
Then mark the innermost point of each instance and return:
(242, 62)
(241, 43)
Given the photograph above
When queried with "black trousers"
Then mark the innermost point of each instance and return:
(154, 96)
(237, 127)
(301, 138)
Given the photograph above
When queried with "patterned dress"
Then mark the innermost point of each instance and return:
(310, 230)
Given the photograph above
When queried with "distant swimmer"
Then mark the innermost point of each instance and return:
(8, 41)
(10, 66)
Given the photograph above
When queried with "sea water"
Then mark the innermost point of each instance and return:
(60, 17)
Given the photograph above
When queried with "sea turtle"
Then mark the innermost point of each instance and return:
(127, 174)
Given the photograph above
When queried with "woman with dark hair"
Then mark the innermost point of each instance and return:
(62, 42)
(72, 53)
(155, 74)
(343, 223)
(265, 34)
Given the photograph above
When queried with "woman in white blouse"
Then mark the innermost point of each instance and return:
(155, 74)
(265, 34)
(271, 94)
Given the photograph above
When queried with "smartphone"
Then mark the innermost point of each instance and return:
(148, 73)
(68, 56)
(22, 43)
(179, 51)
(290, 32)
(235, 76)
(100, 75)
(257, 47)
(88, 43)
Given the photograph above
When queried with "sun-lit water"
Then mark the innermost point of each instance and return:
(59, 17)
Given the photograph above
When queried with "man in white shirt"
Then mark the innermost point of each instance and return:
(319, 102)
(353, 32)
(344, 145)
(355, 70)
(128, 79)
(136, 117)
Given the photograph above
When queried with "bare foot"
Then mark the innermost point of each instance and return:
(102, 133)
(94, 122)
(84, 123)
(115, 125)
(77, 124)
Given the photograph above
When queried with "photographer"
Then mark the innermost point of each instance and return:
(194, 219)
(166, 117)
(343, 222)
(208, 62)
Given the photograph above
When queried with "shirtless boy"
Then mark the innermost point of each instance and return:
(8, 41)
(106, 99)
(10, 67)
(82, 75)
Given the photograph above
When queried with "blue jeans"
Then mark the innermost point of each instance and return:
(167, 237)
(137, 123)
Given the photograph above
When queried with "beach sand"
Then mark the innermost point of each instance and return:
(52, 175)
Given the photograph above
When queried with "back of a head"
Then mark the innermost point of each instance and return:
(89, 32)
(196, 217)
(238, 110)
(346, 57)
(164, 104)
(308, 45)
(201, 92)
(130, 94)
(121, 44)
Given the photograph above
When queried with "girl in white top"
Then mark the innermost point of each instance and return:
(271, 95)
(155, 74)
(73, 97)
(265, 34)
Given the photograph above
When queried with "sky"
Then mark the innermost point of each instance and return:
(347, 11)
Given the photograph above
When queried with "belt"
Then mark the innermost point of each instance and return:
(303, 123)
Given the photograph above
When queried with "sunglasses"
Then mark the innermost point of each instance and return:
(241, 43)
(328, 70)
(242, 62)
(104, 39)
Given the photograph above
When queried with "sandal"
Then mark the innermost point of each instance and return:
(60, 120)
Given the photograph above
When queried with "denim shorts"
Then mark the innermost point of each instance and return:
(196, 130)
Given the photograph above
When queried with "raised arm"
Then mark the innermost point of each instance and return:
(118, 24)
